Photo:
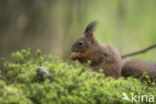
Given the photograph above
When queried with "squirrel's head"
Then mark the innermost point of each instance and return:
(86, 40)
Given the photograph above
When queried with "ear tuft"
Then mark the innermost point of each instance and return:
(91, 27)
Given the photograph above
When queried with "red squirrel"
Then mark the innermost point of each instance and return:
(106, 57)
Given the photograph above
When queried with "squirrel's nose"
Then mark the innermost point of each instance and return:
(74, 50)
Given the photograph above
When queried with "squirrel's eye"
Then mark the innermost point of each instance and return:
(80, 43)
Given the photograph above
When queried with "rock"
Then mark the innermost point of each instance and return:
(42, 71)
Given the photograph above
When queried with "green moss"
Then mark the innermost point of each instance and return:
(66, 84)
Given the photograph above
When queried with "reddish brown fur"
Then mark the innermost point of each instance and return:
(107, 57)
(111, 63)
(136, 67)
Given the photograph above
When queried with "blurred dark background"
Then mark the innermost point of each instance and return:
(52, 25)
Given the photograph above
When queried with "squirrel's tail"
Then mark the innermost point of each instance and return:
(136, 67)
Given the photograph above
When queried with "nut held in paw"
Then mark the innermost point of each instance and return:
(75, 55)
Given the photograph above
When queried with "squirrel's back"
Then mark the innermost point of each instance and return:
(109, 58)
(113, 62)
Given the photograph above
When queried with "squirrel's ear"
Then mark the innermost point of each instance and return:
(90, 29)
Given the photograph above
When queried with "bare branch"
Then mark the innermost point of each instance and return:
(139, 52)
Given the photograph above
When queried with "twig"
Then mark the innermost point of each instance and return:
(139, 52)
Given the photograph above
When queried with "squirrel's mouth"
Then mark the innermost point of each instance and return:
(74, 50)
